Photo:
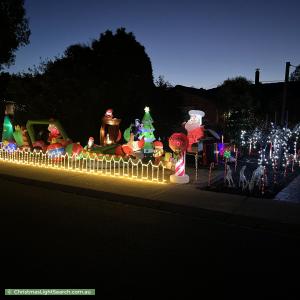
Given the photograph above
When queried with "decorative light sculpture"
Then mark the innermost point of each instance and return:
(109, 131)
(178, 142)
(147, 132)
(105, 165)
(194, 127)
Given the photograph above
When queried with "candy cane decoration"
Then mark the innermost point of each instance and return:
(180, 165)
(212, 165)
(196, 165)
(236, 159)
(225, 169)
(263, 181)
(285, 169)
(178, 142)
(217, 153)
(274, 172)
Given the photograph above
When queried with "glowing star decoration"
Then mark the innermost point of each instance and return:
(147, 109)
(178, 142)
(194, 127)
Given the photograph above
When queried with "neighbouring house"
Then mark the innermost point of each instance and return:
(269, 95)
(197, 99)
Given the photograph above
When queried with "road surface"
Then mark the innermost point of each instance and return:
(54, 239)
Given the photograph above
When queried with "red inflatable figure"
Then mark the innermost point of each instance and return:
(194, 127)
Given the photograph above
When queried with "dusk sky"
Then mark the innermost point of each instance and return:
(193, 43)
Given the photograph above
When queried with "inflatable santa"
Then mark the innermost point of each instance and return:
(194, 127)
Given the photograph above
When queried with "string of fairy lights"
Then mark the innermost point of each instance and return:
(104, 165)
(277, 145)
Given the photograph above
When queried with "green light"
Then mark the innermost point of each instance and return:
(7, 133)
(227, 154)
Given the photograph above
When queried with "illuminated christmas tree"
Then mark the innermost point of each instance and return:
(147, 131)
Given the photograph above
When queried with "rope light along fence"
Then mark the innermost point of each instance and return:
(104, 165)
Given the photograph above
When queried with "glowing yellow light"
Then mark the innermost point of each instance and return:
(104, 165)
(146, 109)
(108, 141)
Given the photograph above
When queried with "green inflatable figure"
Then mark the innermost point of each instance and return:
(8, 130)
(18, 136)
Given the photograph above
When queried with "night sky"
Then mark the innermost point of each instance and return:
(193, 43)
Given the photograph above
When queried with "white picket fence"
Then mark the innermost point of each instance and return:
(105, 165)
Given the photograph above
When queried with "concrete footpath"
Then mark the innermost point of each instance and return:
(184, 199)
(291, 193)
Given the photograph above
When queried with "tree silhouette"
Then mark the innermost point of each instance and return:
(123, 68)
(14, 30)
(237, 105)
(162, 84)
(295, 76)
(235, 93)
(77, 88)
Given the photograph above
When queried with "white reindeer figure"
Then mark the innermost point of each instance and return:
(256, 178)
(228, 177)
(243, 179)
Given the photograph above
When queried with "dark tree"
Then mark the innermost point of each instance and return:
(235, 93)
(238, 106)
(162, 84)
(124, 70)
(77, 88)
(295, 76)
(14, 30)
(4, 81)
